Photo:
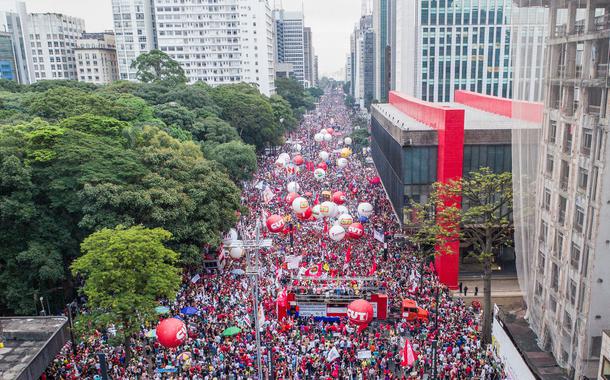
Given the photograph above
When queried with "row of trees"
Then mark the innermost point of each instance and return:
(77, 158)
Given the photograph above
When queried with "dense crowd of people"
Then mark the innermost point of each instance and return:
(299, 347)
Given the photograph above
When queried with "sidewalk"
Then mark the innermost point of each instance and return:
(505, 291)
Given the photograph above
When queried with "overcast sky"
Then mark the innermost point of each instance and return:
(331, 22)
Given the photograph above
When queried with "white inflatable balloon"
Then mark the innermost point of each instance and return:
(236, 253)
(328, 137)
(280, 163)
(323, 131)
(345, 220)
(336, 233)
(341, 162)
(285, 157)
(293, 187)
(319, 173)
(348, 141)
(299, 205)
(342, 210)
(318, 137)
(323, 155)
(365, 209)
(315, 211)
(328, 209)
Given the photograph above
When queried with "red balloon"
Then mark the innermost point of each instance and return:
(360, 312)
(291, 197)
(322, 165)
(275, 223)
(339, 197)
(355, 230)
(330, 130)
(171, 332)
(306, 214)
(298, 160)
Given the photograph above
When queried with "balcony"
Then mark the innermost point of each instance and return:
(602, 22)
(594, 110)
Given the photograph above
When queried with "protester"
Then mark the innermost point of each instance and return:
(299, 348)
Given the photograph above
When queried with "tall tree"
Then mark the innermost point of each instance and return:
(237, 158)
(126, 270)
(158, 67)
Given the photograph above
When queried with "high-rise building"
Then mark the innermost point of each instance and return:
(381, 24)
(134, 29)
(316, 71)
(227, 42)
(363, 61)
(442, 46)
(564, 265)
(52, 38)
(290, 41)
(308, 57)
(13, 20)
(8, 69)
(96, 60)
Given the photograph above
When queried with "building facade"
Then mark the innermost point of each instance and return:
(566, 271)
(8, 68)
(52, 38)
(96, 60)
(446, 45)
(383, 53)
(290, 41)
(362, 43)
(257, 48)
(13, 20)
(134, 29)
(308, 58)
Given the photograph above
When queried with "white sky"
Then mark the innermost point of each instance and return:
(331, 22)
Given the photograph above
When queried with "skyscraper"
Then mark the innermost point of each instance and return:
(8, 69)
(362, 44)
(446, 45)
(564, 270)
(134, 29)
(308, 57)
(290, 41)
(381, 25)
(13, 20)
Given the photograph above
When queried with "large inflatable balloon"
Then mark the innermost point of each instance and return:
(355, 231)
(348, 141)
(323, 166)
(291, 197)
(299, 205)
(336, 233)
(293, 187)
(275, 223)
(341, 162)
(328, 209)
(279, 163)
(365, 209)
(171, 332)
(342, 210)
(236, 253)
(298, 160)
(330, 130)
(339, 197)
(319, 173)
(318, 137)
(323, 131)
(360, 312)
(315, 212)
(328, 137)
(345, 220)
(323, 155)
(305, 215)
(284, 157)
(346, 152)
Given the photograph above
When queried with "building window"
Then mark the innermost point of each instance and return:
(587, 141)
(549, 164)
(579, 218)
(555, 277)
(563, 205)
(553, 132)
(558, 243)
(544, 230)
(567, 321)
(574, 256)
(541, 262)
(583, 178)
(572, 292)
(552, 304)
(546, 203)
(605, 369)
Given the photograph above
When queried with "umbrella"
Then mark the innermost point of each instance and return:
(151, 333)
(162, 309)
(230, 331)
(189, 310)
(238, 271)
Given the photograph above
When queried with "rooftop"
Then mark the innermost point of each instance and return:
(29, 343)
(477, 119)
(400, 118)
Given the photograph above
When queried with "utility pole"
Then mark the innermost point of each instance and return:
(252, 270)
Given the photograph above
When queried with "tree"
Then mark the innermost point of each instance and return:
(158, 67)
(213, 130)
(484, 220)
(175, 114)
(96, 125)
(360, 137)
(315, 92)
(237, 158)
(125, 271)
(283, 113)
(294, 93)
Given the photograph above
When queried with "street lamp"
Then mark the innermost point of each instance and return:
(70, 320)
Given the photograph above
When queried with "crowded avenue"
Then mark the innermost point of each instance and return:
(334, 275)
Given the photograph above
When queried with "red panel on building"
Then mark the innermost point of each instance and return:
(514, 109)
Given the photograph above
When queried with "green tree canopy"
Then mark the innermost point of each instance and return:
(237, 158)
(283, 113)
(158, 67)
(126, 270)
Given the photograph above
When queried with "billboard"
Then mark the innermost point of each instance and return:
(515, 366)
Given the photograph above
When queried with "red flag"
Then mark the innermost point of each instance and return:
(317, 200)
(314, 271)
(325, 226)
(408, 355)
(348, 254)
(373, 267)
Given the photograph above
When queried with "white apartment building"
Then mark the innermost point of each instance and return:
(565, 270)
(96, 60)
(52, 39)
(134, 29)
(227, 41)
(290, 41)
